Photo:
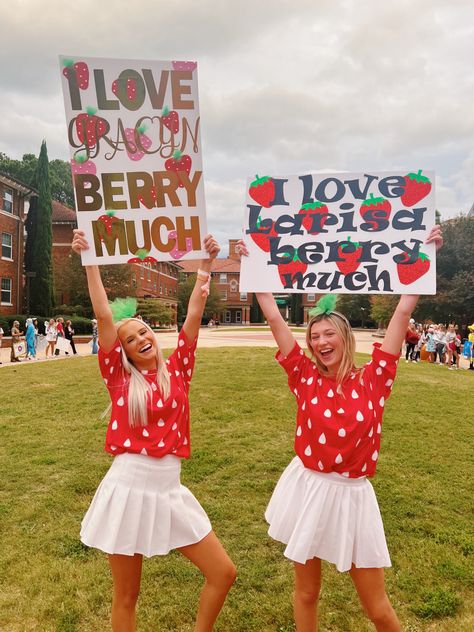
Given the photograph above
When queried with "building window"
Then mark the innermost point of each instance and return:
(311, 298)
(6, 293)
(8, 200)
(161, 289)
(227, 317)
(243, 296)
(233, 285)
(7, 251)
(142, 271)
(223, 295)
(133, 278)
(166, 290)
(222, 278)
(238, 316)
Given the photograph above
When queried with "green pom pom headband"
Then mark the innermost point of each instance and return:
(325, 305)
(123, 308)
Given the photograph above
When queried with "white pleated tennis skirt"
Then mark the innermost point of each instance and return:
(328, 516)
(141, 507)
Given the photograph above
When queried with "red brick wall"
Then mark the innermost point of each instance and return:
(13, 224)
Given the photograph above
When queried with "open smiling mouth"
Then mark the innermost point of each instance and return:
(145, 348)
(326, 354)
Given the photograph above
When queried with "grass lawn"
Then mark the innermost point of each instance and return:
(51, 461)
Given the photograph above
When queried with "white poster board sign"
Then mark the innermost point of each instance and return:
(133, 133)
(342, 233)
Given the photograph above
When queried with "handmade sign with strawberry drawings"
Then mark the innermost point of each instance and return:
(134, 136)
(340, 233)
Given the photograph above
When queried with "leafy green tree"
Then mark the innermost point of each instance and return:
(155, 311)
(214, 305)
(256, 314)
(41, 285)
(355, 307)
(296, 308)
(382, 307)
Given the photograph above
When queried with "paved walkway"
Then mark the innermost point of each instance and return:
(221, 337)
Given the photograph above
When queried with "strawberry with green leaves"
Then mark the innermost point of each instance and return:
(170, 119)
(262, 190)
(179, 162)
(142, 256)
(416, 188)
(292, 266)
(408, 273)
(136, 150)
(108, 219)
(81, 164)
(263, 239)
(82, 72)
(90, 128)
(350, 252)
(376, 208)
(310, 211)
(131, 88)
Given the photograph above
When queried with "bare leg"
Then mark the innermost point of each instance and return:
(370, 586)
(126, 574)
(306, 595)
(220, 573)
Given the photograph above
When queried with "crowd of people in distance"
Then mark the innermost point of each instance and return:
(437, 344)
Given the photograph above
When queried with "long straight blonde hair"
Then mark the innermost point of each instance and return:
(140, 391)
(344, 330)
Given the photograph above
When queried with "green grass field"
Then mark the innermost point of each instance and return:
(52, 459)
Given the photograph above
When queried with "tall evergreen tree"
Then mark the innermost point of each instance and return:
(41, 286)
(31, 225)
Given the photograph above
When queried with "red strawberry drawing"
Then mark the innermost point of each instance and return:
(263, 239)
(309, 211)
(131, 88)
(179, 162)
(170, 119)
(108, 219)
(80, 164)
(82, 72)
(262, 190)
(291, 267)
(416, 188)
(378, 208)
(350, 251)
(135, 151)
(142, 200)
(141, 256)
(184, 65)
(409, 272)
(90, 127)
(179, 254)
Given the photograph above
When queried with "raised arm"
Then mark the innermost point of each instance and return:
(280, 330)
(100, 303)
(197, 300)
(398, 325)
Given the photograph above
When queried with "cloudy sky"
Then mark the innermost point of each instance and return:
(286, 86)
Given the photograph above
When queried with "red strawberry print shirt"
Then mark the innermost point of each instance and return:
(338, 428)
(167, 431)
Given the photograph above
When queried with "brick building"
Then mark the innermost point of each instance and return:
(13, 195)
(236, 305)
(147, 280)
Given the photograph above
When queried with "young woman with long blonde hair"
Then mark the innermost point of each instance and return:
(141, 508)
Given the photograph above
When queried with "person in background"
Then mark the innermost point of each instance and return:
(1, 336)
(16, 337)
(69, 333)
(94, 336)
(452, 348)
(51, 335)
(430, 344)
(411, 340)
(35, 325)
(440, 342)
(60, 333)
(471, 348)
(30, 340)
(421, 341)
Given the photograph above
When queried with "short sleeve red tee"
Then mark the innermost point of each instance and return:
(167, 431)
(338, 428)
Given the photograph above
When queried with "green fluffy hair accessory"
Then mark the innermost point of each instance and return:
(325, 305)
(123, 308)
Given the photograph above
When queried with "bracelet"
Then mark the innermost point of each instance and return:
(202, 275)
